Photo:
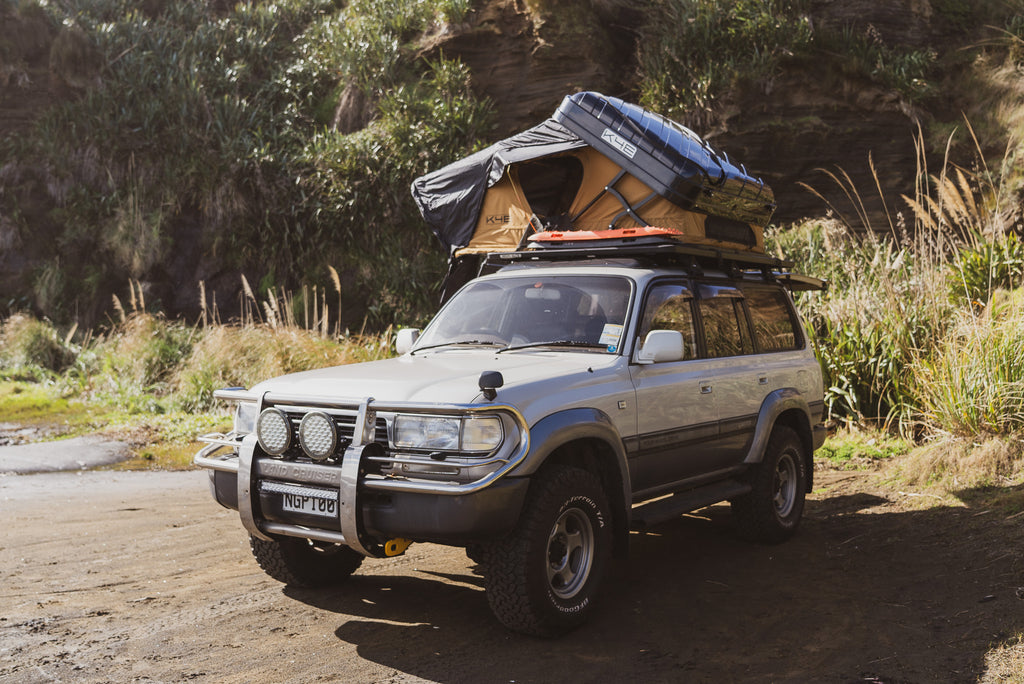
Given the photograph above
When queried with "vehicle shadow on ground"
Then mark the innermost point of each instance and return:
(860, 594)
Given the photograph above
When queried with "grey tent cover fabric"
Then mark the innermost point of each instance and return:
(450, 198)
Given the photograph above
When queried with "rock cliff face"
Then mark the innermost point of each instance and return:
(525, 55)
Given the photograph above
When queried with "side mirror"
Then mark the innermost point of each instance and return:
(661, 346)
(405, 339)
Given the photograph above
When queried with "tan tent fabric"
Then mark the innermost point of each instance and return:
(505, 214)
(504, 217)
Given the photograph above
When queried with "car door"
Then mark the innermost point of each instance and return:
(677, 421)
(735, 376)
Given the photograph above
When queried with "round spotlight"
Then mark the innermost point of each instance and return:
(317, 435)
(274, 431)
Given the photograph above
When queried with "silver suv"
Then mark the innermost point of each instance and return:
(553, 405)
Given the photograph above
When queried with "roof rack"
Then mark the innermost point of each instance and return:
(695, 258)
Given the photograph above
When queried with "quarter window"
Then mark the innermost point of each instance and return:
(770, 314)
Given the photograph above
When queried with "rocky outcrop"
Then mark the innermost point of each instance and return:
(525, 56)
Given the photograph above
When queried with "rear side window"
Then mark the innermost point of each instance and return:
(772, 318)
(725, 324)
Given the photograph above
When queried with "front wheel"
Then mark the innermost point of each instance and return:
(304, 562)
(543, 577)
(771, 512)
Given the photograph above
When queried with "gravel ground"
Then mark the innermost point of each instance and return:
(140, 576)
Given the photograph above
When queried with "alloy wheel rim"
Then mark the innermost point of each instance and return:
(784, 490)
(570, 553)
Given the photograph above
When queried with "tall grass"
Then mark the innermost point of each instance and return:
(908, 333)
(972, 384)
(145, 363)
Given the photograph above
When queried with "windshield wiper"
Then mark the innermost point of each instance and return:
(553, 343)
(484, 343)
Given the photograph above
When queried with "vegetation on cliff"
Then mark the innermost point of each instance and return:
(198, 147)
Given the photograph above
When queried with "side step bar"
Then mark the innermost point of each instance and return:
(660, 510)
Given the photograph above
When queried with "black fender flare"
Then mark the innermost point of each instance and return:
(773, 406)
(558, 429)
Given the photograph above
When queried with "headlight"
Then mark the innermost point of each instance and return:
(245, 417)
(481, 434)
(427, 432)
(448, 433)
(274, 431)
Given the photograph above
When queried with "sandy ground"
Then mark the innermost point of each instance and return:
(141, 577)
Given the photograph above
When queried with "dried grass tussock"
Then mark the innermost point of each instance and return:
(1005, 662)
(955, 464)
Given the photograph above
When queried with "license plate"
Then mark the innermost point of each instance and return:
(314, 505)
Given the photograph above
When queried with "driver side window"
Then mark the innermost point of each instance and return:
(668, 307)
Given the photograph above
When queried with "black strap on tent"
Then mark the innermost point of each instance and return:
(629, 210)
(598, 196)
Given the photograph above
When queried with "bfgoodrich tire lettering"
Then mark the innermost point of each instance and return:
(771, 512)
(542, 578)
(305, 563)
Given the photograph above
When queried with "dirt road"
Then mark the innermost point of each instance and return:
(140, 577)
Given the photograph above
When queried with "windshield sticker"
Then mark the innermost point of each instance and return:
(610, 334)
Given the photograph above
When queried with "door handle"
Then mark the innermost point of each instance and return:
(705, 388)
(762, 379)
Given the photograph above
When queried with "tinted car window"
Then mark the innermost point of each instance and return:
(725, 324)
(770, 314)
(668, 308)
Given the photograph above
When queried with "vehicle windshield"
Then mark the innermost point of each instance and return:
(585, 313)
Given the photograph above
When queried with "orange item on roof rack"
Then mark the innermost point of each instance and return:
(611, 234)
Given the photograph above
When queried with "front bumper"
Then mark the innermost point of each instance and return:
(371, 509)
(418, 516)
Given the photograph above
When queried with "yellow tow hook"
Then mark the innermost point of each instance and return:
(396, 547)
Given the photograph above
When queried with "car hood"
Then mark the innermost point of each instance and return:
(448, 376)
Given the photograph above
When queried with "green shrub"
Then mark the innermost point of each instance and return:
(865, 55)
(987, 266)
(139, 358)
(692, 51)
(28, 345)
(210, 133)
(229, 356)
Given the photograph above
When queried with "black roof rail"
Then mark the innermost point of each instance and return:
(695, 258)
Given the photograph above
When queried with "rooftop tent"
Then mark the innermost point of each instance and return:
(598, 163)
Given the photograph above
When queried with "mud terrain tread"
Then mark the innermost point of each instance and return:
(518, 600)
(754, 514)
(296, 563)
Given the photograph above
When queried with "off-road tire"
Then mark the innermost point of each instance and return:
(771, 512)
(542, 578)
(305, 563)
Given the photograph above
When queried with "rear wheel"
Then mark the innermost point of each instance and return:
(543, 577)
(771, 512)
(304, 562)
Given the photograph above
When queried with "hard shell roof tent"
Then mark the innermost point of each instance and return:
(597, 164)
